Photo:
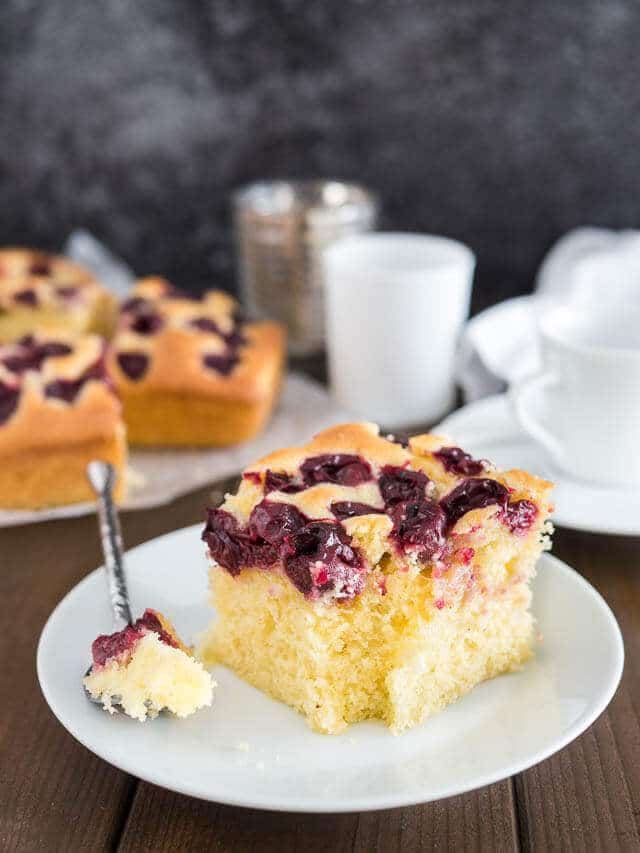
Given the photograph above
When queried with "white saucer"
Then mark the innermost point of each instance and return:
(488, 429)
(249, 750)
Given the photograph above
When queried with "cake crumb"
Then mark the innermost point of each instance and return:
(260, 765)
(243, 746)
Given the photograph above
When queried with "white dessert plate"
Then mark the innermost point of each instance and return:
(488, 429)
(250, 750)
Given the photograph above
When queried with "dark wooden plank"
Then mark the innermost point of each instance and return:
(588, 795)
(479, 821)
(159, 820)
(53, 793)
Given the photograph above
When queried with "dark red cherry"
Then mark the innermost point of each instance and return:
(342, 468)
(67, 292)
(41, 267)
(221, 362)
(133, 364)
(150, 621)
(108, 646)
(68, 389)
(275, 481)
(474, 493)
(205, 324)
(147, 323)
(402, 484)
(419, 527)
(320, 556)
(31, 354)
(232, 547)
(456, 461)
(350, 509)
(26, 297)
(9, 399)
(273, 521)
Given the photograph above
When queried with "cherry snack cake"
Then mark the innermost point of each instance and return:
(357, 578)
(189, 371)
(58, 411)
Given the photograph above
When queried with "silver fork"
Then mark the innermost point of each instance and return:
(102, 477)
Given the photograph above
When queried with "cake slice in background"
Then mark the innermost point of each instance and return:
(39, 290)
(356, 578)
(58, 411)
(145, 669)
(190, 372)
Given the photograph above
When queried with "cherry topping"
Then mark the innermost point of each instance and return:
(147, 323)
(221, 362)
(419, 527)
(232, 547)
(342, 468)
(205, 324)
(41, 267)
(456, 461)
(520, 515)
(67, 291)
(32, 354)
(349, 509)
(133, 364)
(402, 484)
(68, 389)
(108, 646)
(151, 622)
(275, 481)
(320, 557)
(26, 297)
(9, 398)
(273, 522)
(471, 494)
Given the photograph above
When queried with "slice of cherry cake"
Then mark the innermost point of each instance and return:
(146, 668)
(189, 371)
(357, 578)
(58, 411)
(39, 290)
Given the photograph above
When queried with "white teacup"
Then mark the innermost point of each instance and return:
(584, 407)
(395, 307)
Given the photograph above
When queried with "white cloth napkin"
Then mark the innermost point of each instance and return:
(499, 346)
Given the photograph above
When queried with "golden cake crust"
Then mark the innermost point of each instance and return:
(363, 439)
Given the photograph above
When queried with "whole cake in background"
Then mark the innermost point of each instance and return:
(58, 411)
(39, 290)
(189, 371)
(357, 578)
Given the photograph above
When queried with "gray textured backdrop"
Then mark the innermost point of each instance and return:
(500, 123)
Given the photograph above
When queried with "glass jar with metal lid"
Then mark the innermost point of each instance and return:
(282, 228)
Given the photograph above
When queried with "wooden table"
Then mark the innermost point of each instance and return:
(55, 795)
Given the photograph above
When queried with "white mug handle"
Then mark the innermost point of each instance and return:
(521, 395)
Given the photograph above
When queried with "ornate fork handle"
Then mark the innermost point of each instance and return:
(102, 477)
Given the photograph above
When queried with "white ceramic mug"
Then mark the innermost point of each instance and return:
(395, 306)
(584, 407)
